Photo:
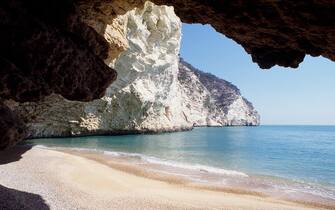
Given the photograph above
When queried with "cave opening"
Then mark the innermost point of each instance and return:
(84, 76)
(65, 53)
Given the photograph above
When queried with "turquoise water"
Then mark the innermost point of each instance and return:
(298, 153)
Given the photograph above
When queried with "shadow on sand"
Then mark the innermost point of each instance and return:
(11, 199)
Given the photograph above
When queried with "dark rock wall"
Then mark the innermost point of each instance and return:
(45, 49)
(12, 129)
(274, 32)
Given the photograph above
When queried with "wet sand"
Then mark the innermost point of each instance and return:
(88, 181)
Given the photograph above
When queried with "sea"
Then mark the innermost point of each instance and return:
(291, 162)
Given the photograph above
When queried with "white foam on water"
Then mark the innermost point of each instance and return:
(154, 160)
(42, 147)
(308, 188)
(67, 148)
(116, 154)
(298, 187)
(293, 188)
(196, 167)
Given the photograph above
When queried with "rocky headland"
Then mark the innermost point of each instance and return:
(211, 101)
(155, 91)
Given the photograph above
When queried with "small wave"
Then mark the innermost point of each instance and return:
(288, 187)
(41, 147)
(116, 154)
(194, 167)
(308, 188)
(268, 185)
(155, 160)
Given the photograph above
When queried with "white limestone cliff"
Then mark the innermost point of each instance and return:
(148, 95)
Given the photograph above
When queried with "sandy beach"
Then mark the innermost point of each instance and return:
(40, 178)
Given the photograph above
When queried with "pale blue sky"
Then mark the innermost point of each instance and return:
(281, 95)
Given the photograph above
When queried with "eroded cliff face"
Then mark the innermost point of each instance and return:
(145, 97)
(153, 91)
(58, 46)
(211, 101)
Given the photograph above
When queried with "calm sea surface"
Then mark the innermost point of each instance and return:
(303, 155)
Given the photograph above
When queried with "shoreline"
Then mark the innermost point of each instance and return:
(128, 167)
(67, 177)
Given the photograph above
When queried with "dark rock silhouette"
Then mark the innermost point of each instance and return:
(46, 48)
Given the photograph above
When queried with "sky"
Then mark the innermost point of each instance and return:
(305, 95)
